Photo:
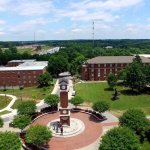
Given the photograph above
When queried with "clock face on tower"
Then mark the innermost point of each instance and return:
(64, 111)
(63, 87)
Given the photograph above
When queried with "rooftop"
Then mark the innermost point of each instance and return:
(115, 59)
(29, 65)
(25, 60)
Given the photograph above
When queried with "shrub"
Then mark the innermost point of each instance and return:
(76, 101)
(1, 122)
(101, 106)
(38, 135)
(9, 141)
(21, 121)
(135, 120)
(26, 108)
(119, 138)
(52, 100)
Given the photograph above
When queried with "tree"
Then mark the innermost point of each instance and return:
(135, 77)
(135, 120)
(38, 135)
(101, 106)
(57, 64)
(112, 80)
(147, 73)
(26, 108)
(9, 141)
(77, 100)
(44, 79)
(121, 75)
(52, 100)
(21, 122)
(1, 122)
(13, 49)
(137, 59)
(119, 139)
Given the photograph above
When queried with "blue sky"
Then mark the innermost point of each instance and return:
(72, 19)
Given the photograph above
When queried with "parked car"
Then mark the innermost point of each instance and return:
(73, 93)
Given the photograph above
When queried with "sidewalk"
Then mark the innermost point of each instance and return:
(8, 108)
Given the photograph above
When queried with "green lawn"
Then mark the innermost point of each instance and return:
(29, 93)
(22, 50)
(92, 92)
(4, 112)
(4, 101)
(146, 146)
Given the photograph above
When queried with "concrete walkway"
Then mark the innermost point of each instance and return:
(8, 108)
(56, 89)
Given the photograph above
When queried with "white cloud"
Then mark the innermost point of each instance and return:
(60, 31)
(4, 5)
(105, 5)
(28, 26)
(33, 7)
(2, 33)
(2, 22)
(76, 30)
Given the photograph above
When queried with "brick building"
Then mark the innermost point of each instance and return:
(99, 68)
(19, 73)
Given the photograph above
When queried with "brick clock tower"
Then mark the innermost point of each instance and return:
(64, 108)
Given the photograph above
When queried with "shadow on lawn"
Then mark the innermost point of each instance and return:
(108, 89)
(129, 92)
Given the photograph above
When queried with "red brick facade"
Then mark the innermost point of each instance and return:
(24, 78)
(100, 67)
(21, 73)
(100, 72)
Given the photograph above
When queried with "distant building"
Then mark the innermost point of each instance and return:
(109, 47)
(19, 73)
(145, 55)
(50, 51)
(100, 67)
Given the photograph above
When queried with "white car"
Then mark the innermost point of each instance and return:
(73, 93)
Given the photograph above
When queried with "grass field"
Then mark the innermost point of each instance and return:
(92, 92)
(4, 112)
(22, 50)
(30, 93)
(146, 146)
(4, 101)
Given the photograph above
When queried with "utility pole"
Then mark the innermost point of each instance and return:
(34, 37)
(93, 28)
(93, 33)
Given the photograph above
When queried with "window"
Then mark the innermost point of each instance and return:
(92, 74)
(29, 81)
(116, 65)
(110, 70)
(99, 74)
(34, 76)
(85, 69)
(99, 70)
(110, 65)
(92, 70)
(104, 65)
(92, 65)
(29, 77)
(99, 65)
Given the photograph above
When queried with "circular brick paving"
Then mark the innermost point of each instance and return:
(92, 132)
